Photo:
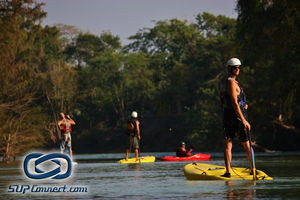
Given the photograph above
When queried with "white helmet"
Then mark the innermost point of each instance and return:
(134, 114)
(233, 62)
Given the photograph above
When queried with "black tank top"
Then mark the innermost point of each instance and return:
(226, 101)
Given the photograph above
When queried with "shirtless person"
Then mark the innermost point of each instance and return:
(65, 128)
(235, 119)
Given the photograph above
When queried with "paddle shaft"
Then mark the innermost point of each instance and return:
(252, 156)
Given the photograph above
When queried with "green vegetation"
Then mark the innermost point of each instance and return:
(169, 74)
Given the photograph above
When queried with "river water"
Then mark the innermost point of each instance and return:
(101, 177)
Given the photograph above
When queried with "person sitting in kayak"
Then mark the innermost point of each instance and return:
(182, 152)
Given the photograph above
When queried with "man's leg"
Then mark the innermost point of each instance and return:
(62, 146)
(129, 147)
(227, 154)
(127, 153)
(136, 147)
(136, 154)
(69, 145)
(246, 146)
(71, 153)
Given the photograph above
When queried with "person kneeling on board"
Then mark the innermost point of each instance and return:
(182, 152)
(133, 132)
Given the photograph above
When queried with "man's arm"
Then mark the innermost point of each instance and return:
(191, 149)
(71, 120)
(232, 91)
(138, 129)
(60, 122)
(189, 152)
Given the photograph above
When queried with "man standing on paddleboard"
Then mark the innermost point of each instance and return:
(133, 132)
(65, 128)
(235, 119)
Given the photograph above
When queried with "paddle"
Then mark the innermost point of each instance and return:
(192, 147)
(252, 157)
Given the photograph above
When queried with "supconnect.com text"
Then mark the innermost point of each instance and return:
(23, 189)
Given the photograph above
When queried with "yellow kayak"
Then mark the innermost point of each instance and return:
(144, 159)
(203, 171)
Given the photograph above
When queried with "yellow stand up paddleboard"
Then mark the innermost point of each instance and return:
(203, 171)
(144, 159)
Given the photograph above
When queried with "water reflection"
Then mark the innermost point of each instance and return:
(224, 189)
(134, 166)
(241, 190)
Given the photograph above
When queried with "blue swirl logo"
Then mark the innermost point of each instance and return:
(41, 158)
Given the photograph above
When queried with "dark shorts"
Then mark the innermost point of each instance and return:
(133, 142)
(233, 128)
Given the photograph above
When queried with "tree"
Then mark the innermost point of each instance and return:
(268, 32)
(87, 46)
(19, 24)
(188, 60)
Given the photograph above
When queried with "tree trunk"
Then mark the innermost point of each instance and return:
(54, 116)
(6, 156)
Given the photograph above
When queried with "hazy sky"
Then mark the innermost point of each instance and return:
(125, 17)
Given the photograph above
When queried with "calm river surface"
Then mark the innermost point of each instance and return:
(103, 178)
